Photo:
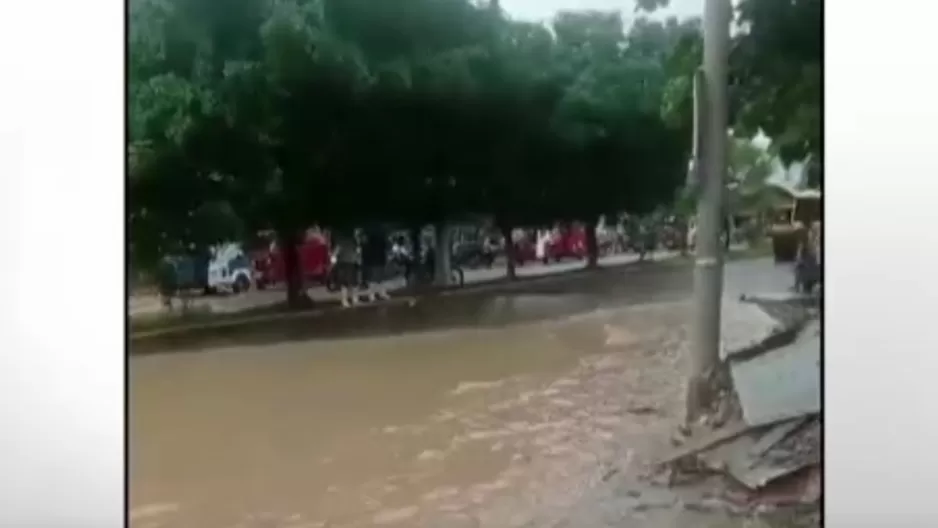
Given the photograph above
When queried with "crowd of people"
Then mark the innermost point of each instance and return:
(363, 261)
(358, 262)
(367, 253)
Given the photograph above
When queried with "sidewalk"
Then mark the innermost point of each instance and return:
(254, 300)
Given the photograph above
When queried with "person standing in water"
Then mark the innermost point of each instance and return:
(375, 262)
(346, 266)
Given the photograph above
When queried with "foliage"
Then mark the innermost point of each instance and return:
(282, 113)
(628, 157)
(776, 64)
(775, 77)
(748, 169)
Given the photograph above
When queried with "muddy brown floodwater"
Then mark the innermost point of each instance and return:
(494, 427)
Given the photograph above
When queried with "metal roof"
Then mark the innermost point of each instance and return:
(798, 194)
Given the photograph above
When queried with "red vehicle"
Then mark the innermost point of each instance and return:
(570, 242)
(315, 261)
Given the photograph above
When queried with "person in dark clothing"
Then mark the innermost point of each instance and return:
(401, 255)
(651, 241)
(375, 262)
(167, 279)
(488, 251)
(428, 264)
(807, 268)
(644, 237)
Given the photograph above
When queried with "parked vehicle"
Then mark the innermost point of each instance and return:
(178, 273)
(798, 210)
(229, 270)
(314, 256)
(569, 242)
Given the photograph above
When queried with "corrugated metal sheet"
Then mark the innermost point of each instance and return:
(744, 325)
(782, 383)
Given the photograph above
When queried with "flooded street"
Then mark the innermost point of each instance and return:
(508, 420)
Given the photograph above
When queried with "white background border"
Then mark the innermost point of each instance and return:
(61, 263)
(881, 287)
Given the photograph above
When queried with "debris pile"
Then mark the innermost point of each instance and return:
(769, 454)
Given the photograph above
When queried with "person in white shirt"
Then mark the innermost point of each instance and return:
(540, 245)
(399, 249)
(488, 251)
(347, 267)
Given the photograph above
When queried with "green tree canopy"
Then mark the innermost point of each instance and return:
(775, 78)
(281, 114)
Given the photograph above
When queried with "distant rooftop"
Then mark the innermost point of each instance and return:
(794, 192)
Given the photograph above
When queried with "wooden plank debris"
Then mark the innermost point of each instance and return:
(703, 442)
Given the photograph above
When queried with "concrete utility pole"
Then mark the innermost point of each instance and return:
(710, 166)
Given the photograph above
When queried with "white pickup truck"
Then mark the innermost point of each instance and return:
(229, 270)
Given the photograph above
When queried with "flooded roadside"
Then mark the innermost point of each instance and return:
(371, 431)
(521, 424)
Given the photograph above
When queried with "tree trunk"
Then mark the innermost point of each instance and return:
(510, 255)
(292, 269)
(592, 245)
(682, 232)
(416, 242)
(414, 272)
(443, 254)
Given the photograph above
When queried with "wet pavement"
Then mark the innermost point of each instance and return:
(478, 410)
